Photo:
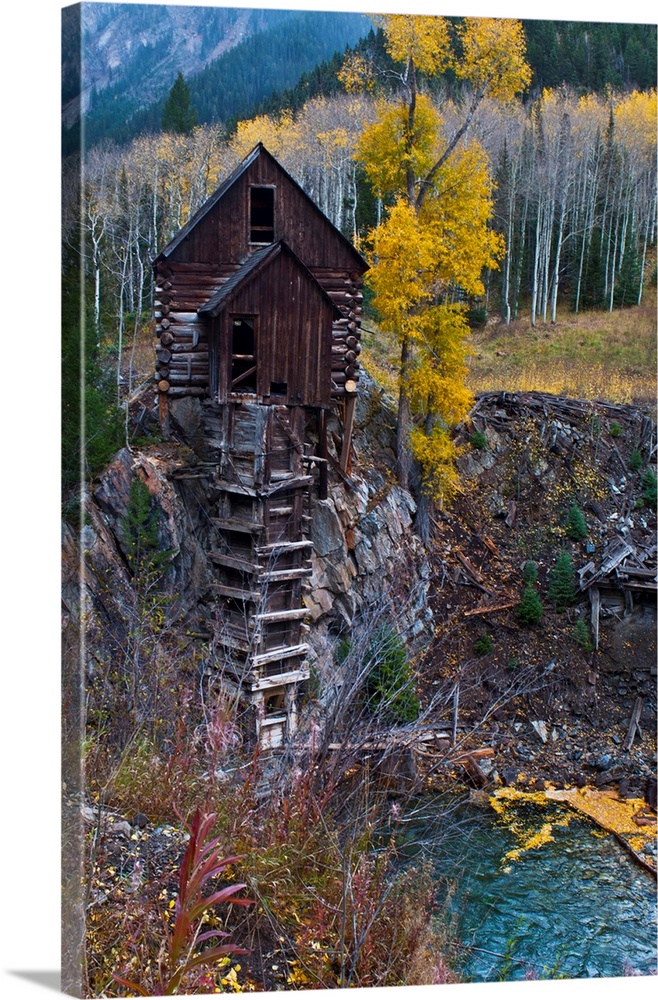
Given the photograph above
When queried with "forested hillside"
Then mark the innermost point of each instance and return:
(240, 62)
(573, 202)
(233, 58)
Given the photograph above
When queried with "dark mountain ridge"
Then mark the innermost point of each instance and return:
(119, 61)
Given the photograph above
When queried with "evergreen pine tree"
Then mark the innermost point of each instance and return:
(389, 687)
(561, 584)
(139, 526)
(576, 525)
(178, 114)
(530, 609)
(581, 635)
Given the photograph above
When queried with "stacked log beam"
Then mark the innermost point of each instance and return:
(346, 293)
(182, 354)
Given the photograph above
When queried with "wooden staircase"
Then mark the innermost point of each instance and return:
(261, 559)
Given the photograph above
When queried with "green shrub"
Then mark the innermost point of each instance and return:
(561, 583)
(343, 649)
(139, 529)
(649, 487)
(530, 573)
(389, 685)
(530, 609)
(635, 462)
(581, 635)
(615, 429)
(478, 440)
(576, 525)
(483, 645)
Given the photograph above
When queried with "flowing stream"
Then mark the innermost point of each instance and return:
(573, 906)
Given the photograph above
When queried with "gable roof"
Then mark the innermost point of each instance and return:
(258, 150)
(255, 263)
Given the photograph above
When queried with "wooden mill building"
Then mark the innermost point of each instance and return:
(258, 309)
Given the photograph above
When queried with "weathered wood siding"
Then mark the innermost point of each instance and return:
(213, 250)
(293, 333)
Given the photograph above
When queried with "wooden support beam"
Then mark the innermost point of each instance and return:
(323, 487)
(293, 614)
(632, 728)
(348, 419)
(221, 559)
(237, 592)
(232, 524)
(291, 677)
(282, 653)
(276, 548)
(274, 576)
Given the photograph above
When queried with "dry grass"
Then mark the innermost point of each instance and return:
(595, 355)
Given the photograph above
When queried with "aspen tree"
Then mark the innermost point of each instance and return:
(440, 198)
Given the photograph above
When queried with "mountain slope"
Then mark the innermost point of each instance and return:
(126, 58)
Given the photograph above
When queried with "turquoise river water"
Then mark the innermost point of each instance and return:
(577, 906)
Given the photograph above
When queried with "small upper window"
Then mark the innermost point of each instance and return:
(261, 219)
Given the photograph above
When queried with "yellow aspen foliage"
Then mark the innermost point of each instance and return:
(387, 150)
(357, 74)
(494, 56)
(423, 39)
(436, 382)
(404, 253)
(459, 212)
(274, 133)
(436, 453)
(436, 236)
(635, 122)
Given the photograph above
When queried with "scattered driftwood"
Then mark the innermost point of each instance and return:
(633, 725)
(484, 608)
(400, 739)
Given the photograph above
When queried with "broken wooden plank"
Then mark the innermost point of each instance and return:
(281, 653)
(610, 561)
(632, 728)
(470, 569)
(483, 609)
(595, 602)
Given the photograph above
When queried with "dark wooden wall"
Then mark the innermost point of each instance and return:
(293, 321)
(214, 248)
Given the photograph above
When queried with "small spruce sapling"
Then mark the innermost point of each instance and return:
(139, 529)
(390, 685)
(635, 462)
(483, 645)
(649, 487)
(530, 609)
(576, 525)
(561, 583)
(478, 440)
(581, 635)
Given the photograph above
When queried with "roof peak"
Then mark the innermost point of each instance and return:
(228, 182)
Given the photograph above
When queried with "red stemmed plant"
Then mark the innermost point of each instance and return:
(201, 862)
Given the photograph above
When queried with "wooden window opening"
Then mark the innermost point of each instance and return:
(261, 215)
(243, 354)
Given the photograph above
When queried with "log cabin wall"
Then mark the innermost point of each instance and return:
(213, 246)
